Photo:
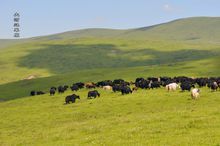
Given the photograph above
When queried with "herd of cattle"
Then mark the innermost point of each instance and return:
(120, 85)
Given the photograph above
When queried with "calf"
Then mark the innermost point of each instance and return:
(134, 89)
(195, 93)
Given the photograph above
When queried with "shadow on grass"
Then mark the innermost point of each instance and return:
(72, 58)
(67, 58)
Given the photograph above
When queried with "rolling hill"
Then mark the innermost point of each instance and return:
(185, 47)
(187, 29)
(165, 46)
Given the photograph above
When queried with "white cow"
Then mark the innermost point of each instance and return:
(107, 87)
(172, 86)
(195, 93)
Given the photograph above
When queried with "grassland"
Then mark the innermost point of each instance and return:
(48, 58)
(147, 117)
(153, 117)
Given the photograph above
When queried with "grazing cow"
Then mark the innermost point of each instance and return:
(186, 86)
(74, 87)
(52, 91)
(71, 98)
(118, 81)
(116, 88)
(107, 87)
(125, 90)
(40, 92)
(134, 89)
(172, 86)
(65, 87)
(32, 93)
(104, 83)
(90, 85)
(195, 93)
(94, 94)
(125, 83)
(142, 83)
(139, 80)
(80, 85)
(154, 84)
(202, 81)
(214, 86)
(61, 89)
(53, 88)
(153, 79)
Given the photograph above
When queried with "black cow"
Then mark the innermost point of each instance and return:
(52, 91)
(214, 86)
(116, 88)
(104, 83)
(118, 81)
(61, 89)
(186, 86)
(80, 85)
(53, 88)
(65, 87)
(32, 93)
(202, 81)
(143, 84)
(125, 90)
(40, 92)
(71, 98)
(154, 84)
(74, 87)
(153, 79)
(94, 94)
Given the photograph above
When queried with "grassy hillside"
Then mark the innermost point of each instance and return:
(186, 47)
(187, 29)
(162, 44)
(104, 51)
(19, 89)
(46, 58)
(153, 117)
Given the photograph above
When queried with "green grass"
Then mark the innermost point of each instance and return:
(48, 58)
(147, 117)
(21, 89)
(180, 41)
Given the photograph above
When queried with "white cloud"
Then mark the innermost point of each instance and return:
(169, 8)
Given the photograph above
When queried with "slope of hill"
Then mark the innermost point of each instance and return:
(145, 117)
(197, 28)
(78, 50)
(4, 43)
(188, 29)
(48, 58)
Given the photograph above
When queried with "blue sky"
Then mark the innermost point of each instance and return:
(43, 17)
